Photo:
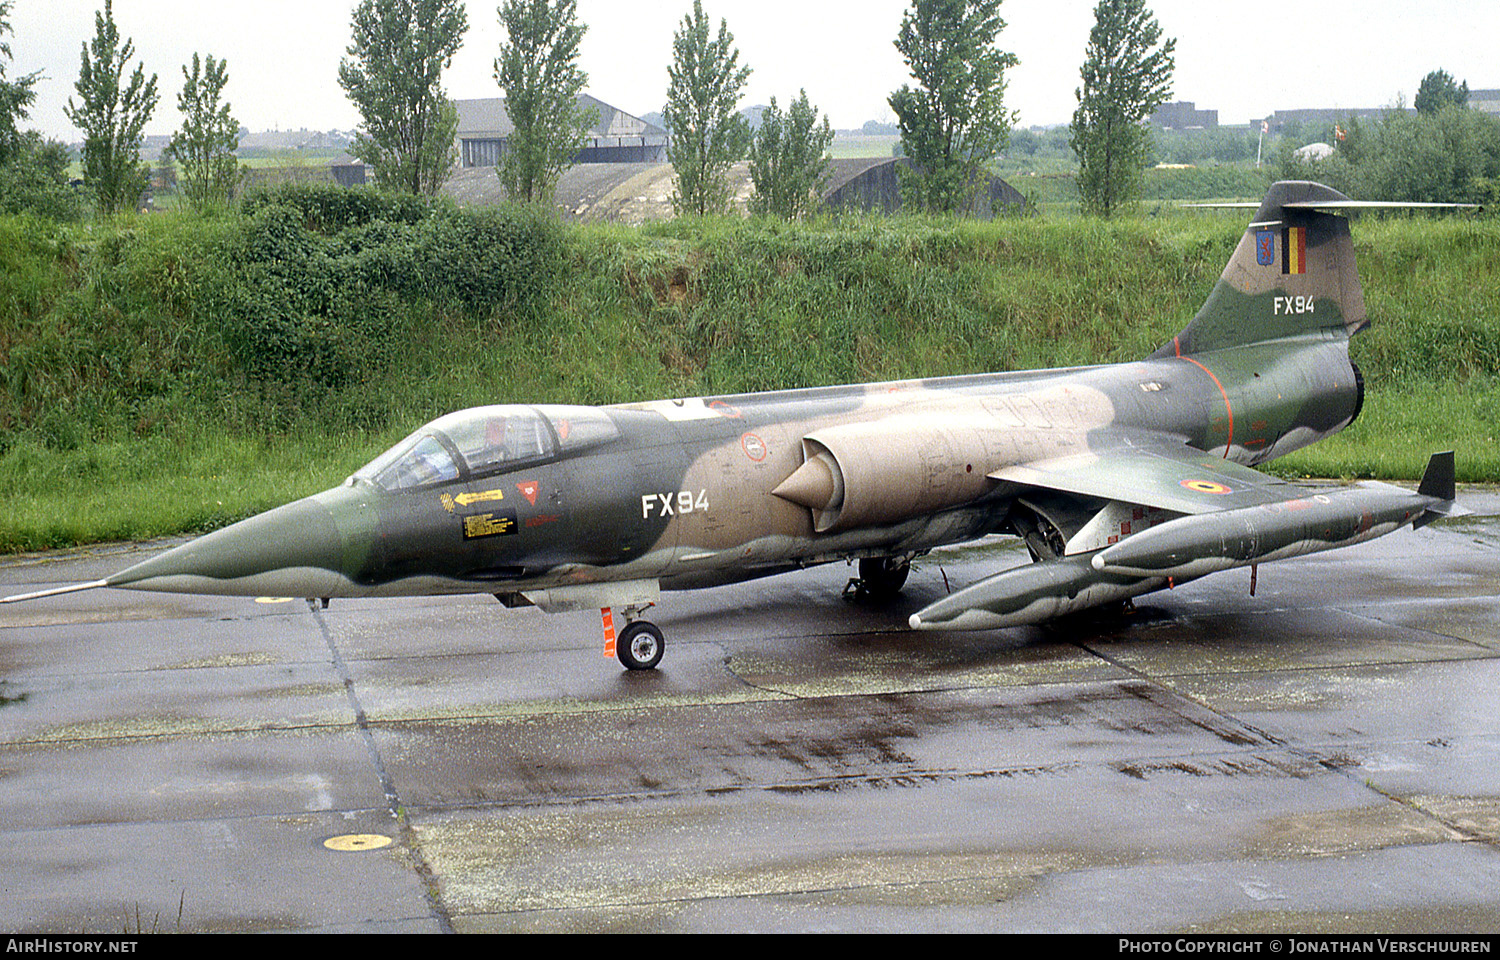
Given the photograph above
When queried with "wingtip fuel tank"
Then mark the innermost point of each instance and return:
(1031, 594)
(1195, 545)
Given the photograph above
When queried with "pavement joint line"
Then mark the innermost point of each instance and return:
(727, 661)
(1314, 668)
(1464, 835)
(397, 813)
(1154, 683)
(1489, 650)
(1309, 755)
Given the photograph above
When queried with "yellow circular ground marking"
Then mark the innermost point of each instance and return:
(273, 599)
(354, 842)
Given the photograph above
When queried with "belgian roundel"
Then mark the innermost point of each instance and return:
(1204, 486)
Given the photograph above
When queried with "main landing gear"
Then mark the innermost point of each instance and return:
(880, 578)
(640, 643)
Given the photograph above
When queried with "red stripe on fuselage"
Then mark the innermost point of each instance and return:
(1228, 410)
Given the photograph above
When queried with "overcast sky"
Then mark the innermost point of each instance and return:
(1243, 59)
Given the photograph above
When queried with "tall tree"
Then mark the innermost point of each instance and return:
(209, 136)
(15, 95)
(1438, 90)
(708, 134)
(954, 121)
(1127, 74)
(111, 118)
(538, 70)
(788, 160)
(394, 76)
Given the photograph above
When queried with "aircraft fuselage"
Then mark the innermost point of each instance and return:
(681, 492)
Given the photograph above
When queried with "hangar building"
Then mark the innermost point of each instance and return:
(617, 137)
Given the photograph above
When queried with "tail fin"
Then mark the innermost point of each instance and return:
(1292, 275)
(1438, 481)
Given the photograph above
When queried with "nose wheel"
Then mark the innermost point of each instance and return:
(640, 645)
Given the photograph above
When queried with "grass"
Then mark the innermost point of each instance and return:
(848, 146)
(1399, 428)
(119, 490)
(123, 415)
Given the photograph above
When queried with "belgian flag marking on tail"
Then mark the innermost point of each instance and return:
(1294, 250)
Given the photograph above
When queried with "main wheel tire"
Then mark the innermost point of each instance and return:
(883, 576)
(640, 645)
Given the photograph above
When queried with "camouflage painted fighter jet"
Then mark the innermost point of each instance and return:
(1120, 479)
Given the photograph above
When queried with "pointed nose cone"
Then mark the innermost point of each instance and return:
(295, 550)
(814, 485)
(810, 486)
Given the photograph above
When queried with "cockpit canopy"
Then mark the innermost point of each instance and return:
(486, 440)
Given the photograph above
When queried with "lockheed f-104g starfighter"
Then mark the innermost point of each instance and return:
(1120, 479)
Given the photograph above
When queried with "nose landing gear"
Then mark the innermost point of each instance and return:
(640, 643)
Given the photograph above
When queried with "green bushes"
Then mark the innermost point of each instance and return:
(34, 179)
(346, 308)
(331, 296)
(494, 261)
(298, 311)
(330, 209)
(1451, 156)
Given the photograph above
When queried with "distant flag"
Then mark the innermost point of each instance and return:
(1265, 126)
(1338, 133)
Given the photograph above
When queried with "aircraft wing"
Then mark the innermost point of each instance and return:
(1153, 471)
(1155, 511)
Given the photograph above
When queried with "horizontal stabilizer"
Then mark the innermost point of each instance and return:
(1334, 206)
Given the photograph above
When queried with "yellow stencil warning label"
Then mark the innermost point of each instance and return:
(489, 525)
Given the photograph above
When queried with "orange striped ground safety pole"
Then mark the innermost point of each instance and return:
(609, 631)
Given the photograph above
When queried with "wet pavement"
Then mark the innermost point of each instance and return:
(1323, 756)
